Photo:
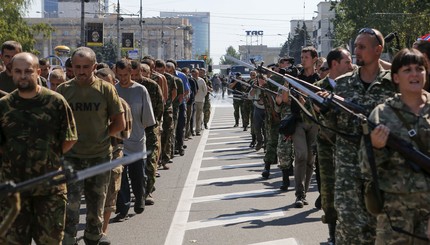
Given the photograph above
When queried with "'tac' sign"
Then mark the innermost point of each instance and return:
(254, 33)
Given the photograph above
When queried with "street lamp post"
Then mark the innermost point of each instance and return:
(117, 32)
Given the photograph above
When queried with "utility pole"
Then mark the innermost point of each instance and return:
(83, 22)
(141, 30)
(117, 32)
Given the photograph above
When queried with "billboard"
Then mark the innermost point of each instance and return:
(94, 34)
(127, 40)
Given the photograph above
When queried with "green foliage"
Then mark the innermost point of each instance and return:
(106, 53)
(230, 52)
(14, 27)
(293, 46)
(409, 18)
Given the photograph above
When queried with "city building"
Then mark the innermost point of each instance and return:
(200, 22)
(323, 28)
(259, 53)
(161, 37)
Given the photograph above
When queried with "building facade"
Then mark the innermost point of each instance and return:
(259, 53)
(159, 36)
(323, 34)
(200, 22)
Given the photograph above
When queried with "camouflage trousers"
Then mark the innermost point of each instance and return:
(206, 111)
(272, 132)
(327, 175)
(94, 189)
(285, 152)
(355, 225)
(166, 135)
(409, 212)
(41, 218)
(238, 109)
(153, 142)
(173, 135)
(247, 107)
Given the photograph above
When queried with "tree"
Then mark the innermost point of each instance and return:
(14, 27)
(409, 18)
(230, 52)
(107, 53)
(300, 39)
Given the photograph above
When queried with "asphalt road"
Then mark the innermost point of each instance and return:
(214, 194)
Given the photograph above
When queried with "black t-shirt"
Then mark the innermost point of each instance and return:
(295, 108)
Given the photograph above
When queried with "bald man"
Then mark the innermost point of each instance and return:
(37, 128)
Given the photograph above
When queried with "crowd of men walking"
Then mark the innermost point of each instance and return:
(98, 114)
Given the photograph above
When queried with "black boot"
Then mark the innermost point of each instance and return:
(331, 232)
(285, 180)
(252, 141)
(266, 171)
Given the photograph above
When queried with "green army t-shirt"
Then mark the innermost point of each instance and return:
(92, 104)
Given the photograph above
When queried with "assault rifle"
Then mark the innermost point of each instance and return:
(67, 174)
(415, 158)
(254, 86)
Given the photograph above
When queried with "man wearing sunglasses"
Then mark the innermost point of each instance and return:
(367, 86)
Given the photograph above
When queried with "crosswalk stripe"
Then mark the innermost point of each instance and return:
(230, 137)
(236, 195)
(288, 241)
(230, 149)
(232, 157)
(228, 179)
(233, 166)
(227, 220)
(228, 142)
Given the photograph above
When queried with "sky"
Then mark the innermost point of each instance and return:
(229, 19)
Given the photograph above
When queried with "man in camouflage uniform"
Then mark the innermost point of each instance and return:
(170, 68)
(285, 145)
(37, 127)
(99, 114)
(237, 88)
(367, 86)
(166, 135)
(247, 104)
(207, 104)
(140, 73)
(250, 104)
(339, 62)
(271, 123)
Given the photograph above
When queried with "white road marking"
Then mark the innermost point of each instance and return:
(220, 150)
(233, 166)
(232, 219)
(229, 142)
(231, 137)
(228, 179)
(235, 195)
(177, 227)
(232, 157)
(288, 241)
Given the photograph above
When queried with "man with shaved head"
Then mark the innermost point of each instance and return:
(99, 114)
(367, 86)
(37, 127)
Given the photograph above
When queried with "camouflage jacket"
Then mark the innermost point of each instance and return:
(32, 132)
(395, 174)
(350, 87)
(156, 95)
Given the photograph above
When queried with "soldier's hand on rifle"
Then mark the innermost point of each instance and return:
(379, 136)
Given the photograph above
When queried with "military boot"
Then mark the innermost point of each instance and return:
(266, 171)
(252, 141)
(285, 180)
(331, 232)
